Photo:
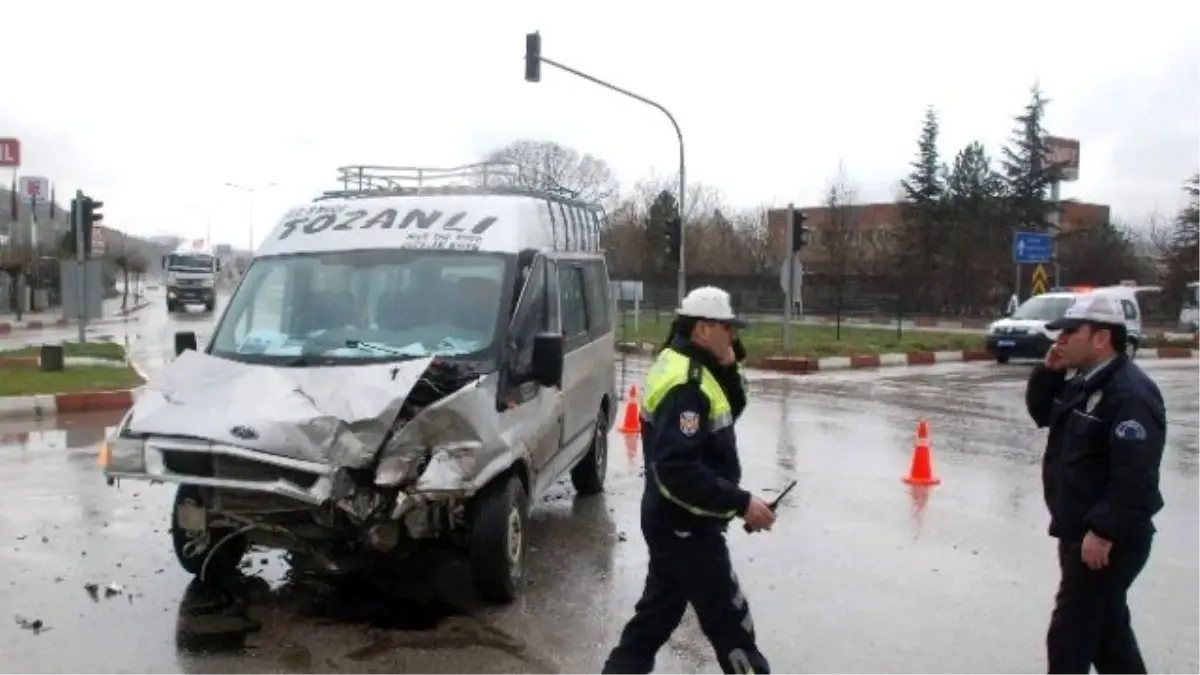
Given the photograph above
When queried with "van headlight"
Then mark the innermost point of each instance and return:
(122, 454)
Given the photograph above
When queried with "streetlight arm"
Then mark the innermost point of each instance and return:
(682, 284)
(628, 93)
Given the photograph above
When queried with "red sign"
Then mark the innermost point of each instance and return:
(10, 153)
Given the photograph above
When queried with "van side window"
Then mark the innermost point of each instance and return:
(1131, 310)
(574, 303)
(598, 300)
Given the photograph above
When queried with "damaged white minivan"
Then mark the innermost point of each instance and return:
(401, 365)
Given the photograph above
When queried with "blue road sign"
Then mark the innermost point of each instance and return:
(1033, 248)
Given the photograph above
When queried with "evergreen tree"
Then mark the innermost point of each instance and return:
(1024, 167)
(926, 185)
(974, 238)
(918, 239)
(1183, 263)
(662, 210)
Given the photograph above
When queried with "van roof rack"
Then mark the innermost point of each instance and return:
(497, 178)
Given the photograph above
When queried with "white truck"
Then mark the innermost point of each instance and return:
(191, 276)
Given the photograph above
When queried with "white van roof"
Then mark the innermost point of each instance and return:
(479, 207)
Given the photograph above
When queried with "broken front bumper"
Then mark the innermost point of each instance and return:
(198, 462)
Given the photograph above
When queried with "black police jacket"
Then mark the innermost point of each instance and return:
(692, 480)
(1105, 446)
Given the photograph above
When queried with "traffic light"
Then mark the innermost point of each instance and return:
(85, 211)
(91, 219)
(533, 57)
(799, 230)
(674, 236)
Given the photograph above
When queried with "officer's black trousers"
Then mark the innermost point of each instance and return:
(689, 569)
(1090, 624)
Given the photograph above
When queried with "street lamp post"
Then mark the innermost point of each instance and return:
(533, 57)
(250, 198)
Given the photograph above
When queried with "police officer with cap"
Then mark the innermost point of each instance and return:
(1100, 475)
(694, 394)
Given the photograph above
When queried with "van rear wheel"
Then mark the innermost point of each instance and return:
(588, 475)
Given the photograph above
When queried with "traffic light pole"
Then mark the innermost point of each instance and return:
(681, 281)
(789, 302)
(81, 267)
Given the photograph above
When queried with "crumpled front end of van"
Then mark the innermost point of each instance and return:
(360, 451)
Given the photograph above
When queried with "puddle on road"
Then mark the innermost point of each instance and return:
(244, 614)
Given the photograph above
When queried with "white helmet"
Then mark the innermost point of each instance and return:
(710, 304)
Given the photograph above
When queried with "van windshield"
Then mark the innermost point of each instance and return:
(351, 306)
(1043, 308)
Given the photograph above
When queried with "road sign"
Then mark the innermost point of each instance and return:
(1032, 248)
(1041, 281)
(98, 240)
(10, 153)
(35, 188)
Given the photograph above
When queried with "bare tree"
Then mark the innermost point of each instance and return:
(840, 235)
(546, 165)
(764, 247)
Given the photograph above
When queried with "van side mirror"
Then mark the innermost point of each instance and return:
(164, 262)
(549, 351)
(184, 340)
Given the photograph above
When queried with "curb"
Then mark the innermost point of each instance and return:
(45, 405)
(800, 365)
(39, 324)
(6, 328)
(136, 308)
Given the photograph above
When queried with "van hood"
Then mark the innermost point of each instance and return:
(337, 415)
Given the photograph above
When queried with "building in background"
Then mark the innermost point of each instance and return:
(871, 231)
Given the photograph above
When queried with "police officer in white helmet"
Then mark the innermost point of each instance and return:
(1100, 473)
(694, 394)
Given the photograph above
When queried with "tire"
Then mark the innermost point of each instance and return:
(588, 475)
(226, 558)
(208, 306)
(1002, 358)
(498, 539)
(170, 307)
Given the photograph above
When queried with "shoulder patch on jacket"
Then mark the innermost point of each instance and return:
(695, 371)
(1130, 430)
(689, 423)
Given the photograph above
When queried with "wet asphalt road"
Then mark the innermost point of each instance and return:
(859, 575)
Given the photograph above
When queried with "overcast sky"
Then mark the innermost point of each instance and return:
(174, 103)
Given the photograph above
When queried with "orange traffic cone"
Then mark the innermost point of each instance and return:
(631, 423)
(921, 471)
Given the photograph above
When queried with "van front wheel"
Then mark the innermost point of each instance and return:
(498, 539)
(193, 547)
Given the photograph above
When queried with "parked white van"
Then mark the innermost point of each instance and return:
(409, 360)
(1023, 334)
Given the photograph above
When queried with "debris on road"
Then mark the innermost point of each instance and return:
(35, 625)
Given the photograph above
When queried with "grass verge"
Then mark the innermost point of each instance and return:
(19, 381)
(766, 339)
(20, 375)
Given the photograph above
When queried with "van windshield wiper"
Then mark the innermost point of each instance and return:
(385, 349)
